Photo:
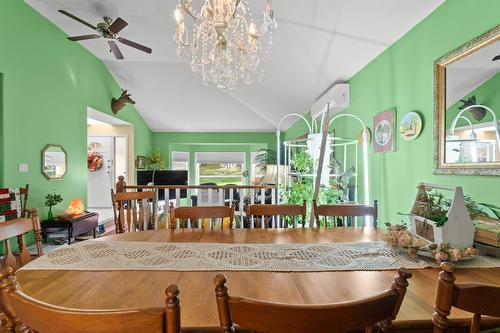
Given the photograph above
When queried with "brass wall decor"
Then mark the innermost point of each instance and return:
(54, 162)
(456, 136)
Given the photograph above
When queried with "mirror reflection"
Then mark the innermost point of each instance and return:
(53, 162)
(473, 107)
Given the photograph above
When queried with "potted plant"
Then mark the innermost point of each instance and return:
(302, 184)
(155, 161)
(50, 201)
(440, 219)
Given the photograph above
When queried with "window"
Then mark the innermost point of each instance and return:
(180, 160)
(220, 168)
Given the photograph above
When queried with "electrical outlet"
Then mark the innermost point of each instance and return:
(23, 167)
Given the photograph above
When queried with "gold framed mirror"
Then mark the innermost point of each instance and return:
(467, 108)
(54, 162)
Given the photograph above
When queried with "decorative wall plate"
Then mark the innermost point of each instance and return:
(383, 129)
(410, 126)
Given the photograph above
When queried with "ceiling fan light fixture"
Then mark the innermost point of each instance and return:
(224, 44)
(108, 30)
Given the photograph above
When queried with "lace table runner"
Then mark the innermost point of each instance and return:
(131, 256)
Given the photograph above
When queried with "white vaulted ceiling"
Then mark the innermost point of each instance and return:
(317, 43)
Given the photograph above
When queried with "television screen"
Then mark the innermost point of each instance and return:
(164, 177)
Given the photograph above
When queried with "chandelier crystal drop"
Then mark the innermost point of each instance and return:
(225, 44)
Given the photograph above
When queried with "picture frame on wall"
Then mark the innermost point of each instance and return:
(384, 138)
(140, 163)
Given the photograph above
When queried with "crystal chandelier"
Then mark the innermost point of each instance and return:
(225, 46)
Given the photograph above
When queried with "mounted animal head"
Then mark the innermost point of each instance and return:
(119, 103)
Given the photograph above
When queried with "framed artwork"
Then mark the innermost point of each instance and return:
(410, 126)
(140, 162)
(383, 129)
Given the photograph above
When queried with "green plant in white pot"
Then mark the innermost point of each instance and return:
(155, 161)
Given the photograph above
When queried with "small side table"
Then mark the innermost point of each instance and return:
(76, 226)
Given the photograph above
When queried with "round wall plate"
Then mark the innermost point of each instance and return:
(410, 126)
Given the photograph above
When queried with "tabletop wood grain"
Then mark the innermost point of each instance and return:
(127, 289)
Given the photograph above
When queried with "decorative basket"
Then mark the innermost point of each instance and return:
(457, 231)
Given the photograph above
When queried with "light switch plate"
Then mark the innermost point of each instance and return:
(23, 167)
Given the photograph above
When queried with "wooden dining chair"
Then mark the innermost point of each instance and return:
(134, 211)
(340, 212)
(479, 299)
(17, 228)
(189, 214)
(266, 215)
(348, 316)
(27, 314)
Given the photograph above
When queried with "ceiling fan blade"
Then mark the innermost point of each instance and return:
(116, 51)
(135, 45)
(84, 37)
(117, 25)
(496, 58)
(77, 19)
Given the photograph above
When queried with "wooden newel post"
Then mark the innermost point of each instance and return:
(120, 184)
(444, 297)
(173, 309)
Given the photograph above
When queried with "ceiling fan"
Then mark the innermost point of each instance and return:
(109, 30)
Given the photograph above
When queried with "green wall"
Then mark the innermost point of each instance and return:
(1, 129)
(402, 77)
(193, 142)
(48, 82)
(487, 94)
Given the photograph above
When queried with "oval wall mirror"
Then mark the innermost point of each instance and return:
(54, 162)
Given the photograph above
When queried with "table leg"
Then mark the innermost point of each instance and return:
(44, 235)
(93, 231)
(70, 231)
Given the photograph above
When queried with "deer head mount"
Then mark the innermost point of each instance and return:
(119, 103)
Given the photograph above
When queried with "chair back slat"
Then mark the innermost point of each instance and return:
(24, 254)
(264, 316)
(201, 212)
(276, 214)
(128, 215)
(340, 212)
(472, 297)
(129, 218)
(24, 200)
(134, 213)
(122, 220)
(477, 298)
(29, 314)
(16, 228)
(9, 258)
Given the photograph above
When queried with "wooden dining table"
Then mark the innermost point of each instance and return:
(132, 289)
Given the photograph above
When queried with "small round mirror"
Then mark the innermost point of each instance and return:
(54, 162)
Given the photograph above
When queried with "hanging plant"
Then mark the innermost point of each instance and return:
(94, 161)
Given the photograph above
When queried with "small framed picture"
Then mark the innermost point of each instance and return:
(140, 162)
(383, 127)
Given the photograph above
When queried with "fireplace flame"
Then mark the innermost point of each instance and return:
(75, 207)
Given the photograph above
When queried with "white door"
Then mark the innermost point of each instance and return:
(100, 182)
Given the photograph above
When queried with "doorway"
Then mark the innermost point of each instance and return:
(110, 153)
(110, 156)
